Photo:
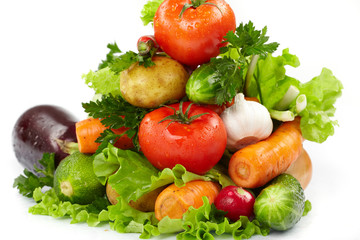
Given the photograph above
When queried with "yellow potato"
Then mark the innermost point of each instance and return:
(149, 87)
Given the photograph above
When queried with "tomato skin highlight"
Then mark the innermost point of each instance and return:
(197, 36)
(197, 146)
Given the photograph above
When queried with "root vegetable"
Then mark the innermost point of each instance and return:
(236, 201)
(175, 201)
(88, 130)
(149, 87)
(255, 165)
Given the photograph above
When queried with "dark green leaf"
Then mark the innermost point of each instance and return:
(249, 41)
(115, 113)
(28, 182)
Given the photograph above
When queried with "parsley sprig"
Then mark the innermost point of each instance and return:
(43, 176)
(114, 113)
(232, 64)
(248, 41)
(118, 61)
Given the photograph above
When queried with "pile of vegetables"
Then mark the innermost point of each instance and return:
(198, 133)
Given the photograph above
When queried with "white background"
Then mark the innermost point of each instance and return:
(46, 46)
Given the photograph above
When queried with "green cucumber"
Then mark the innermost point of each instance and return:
(281, 204)
(203, 84)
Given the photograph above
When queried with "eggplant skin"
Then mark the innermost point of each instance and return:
(36, 132)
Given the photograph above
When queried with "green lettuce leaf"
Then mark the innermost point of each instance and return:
(207, 221)
(103, 81)
(269, 83)
(149, 10)
(132, 175)
(49, 204)
(201, 223)
(125, 219)
(321, 93)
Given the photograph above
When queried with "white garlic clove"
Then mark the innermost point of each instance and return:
(246, 122)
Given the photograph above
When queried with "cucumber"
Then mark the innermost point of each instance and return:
(203, 84)
(281, 204)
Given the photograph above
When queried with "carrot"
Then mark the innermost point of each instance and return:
(88, 130)
(256, 164)
(175, 201)
(301, 169)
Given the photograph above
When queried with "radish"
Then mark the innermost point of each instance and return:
(236, 201)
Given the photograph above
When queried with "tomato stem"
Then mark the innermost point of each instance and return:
(195, 4)
(180, 116)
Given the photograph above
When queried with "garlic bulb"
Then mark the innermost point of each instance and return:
(246, 122)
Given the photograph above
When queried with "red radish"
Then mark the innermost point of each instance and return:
(236, 201)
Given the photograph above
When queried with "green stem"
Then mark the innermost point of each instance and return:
(283, 116)
(67, 147)
(287, 99)
(250, 73)
(180, 116)
(195, 4)
(301, 103)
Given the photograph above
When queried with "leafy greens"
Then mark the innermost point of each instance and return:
(133, 177)
(27, 183)
(269, 83)
(115, 113)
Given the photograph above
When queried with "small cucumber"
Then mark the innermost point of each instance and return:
(203, 84)
(281, 204)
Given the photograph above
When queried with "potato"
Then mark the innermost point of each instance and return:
(145, 203)
(149, 87)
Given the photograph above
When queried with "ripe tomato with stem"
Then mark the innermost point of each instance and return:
(183, 133)
(192, 31)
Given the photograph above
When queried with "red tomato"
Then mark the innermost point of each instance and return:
(197, 35)
(198, 146)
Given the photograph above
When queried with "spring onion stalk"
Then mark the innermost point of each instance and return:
(283, 116)
(301, 103)
(289, 96)
(250, 72)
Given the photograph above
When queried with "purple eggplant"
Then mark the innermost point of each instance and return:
(38, 131)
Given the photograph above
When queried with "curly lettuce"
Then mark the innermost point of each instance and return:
(269, 83)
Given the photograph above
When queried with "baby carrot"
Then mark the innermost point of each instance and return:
(256, 164)
(175, 201)
(88, 130)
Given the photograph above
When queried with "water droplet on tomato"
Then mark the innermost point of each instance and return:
(174, 7)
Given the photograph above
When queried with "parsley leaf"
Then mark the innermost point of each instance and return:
(231, 65)
(115, 112)
(118, 61)
(229, 76)
(114, 51)
(248, 41)
(27, 183)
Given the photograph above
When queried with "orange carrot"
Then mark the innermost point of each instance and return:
(301, 169)
(175, 201)
(88, 130)
(256, 164)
